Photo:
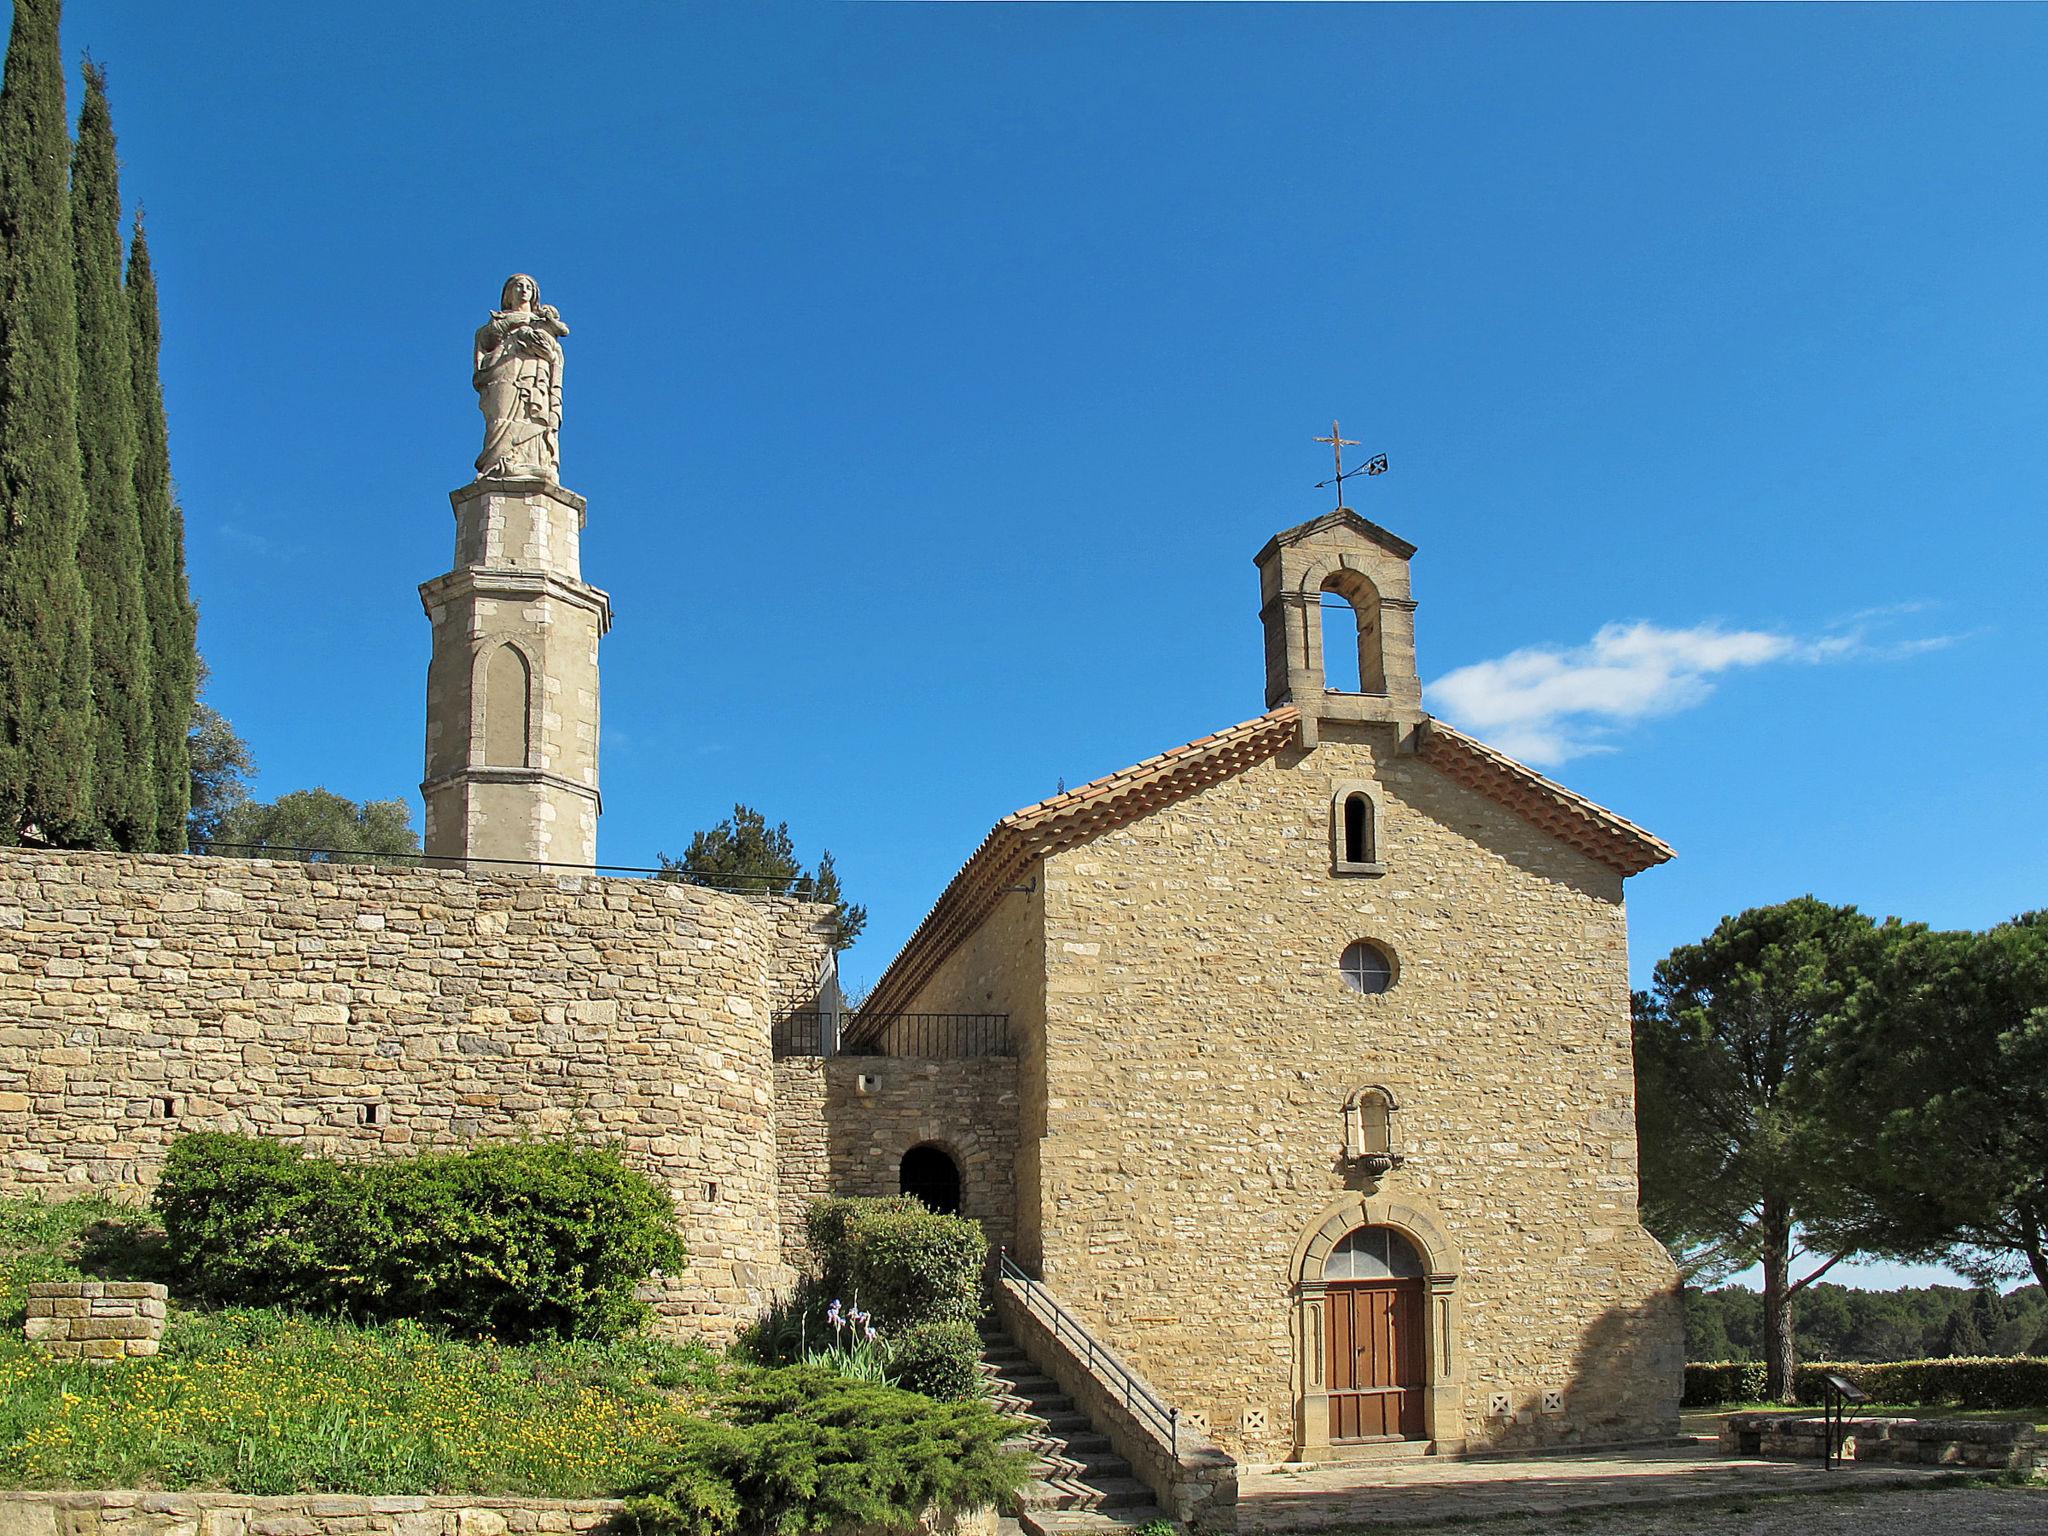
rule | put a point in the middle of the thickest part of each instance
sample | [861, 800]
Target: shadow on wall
[1628, 1374]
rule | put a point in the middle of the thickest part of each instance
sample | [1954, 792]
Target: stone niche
[98, 1321]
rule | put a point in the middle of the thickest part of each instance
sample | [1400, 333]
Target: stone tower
[511, 771]
[1359, 562]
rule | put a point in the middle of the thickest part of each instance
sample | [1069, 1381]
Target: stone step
[1024, 1384]
[1106, 1493]
[1087, 1522]
[1085, 1467]
[1385, 1450]
[1032, 1406]
[1080, 1442]
[1062, 1423]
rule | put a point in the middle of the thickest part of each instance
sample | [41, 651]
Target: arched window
[1366, 968]
[1373, 1253]
[1340, 645]
[1354, 653]
[508, 698]
[1357, 829]
[930, 1174]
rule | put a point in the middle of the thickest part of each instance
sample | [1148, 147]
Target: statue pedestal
[512, 690]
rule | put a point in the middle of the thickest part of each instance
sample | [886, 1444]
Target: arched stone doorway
[929, 1174]
[1375, 1329]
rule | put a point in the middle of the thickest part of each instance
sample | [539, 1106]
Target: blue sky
[936, 372]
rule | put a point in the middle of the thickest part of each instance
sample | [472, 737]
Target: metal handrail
[941, 1036]
[1137, 1396]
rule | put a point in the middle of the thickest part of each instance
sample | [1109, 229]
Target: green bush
[1732, 1381]
[941, 1360]
[901, 1261]
[520, 1240]
[1994, 1382]
[803, 1450]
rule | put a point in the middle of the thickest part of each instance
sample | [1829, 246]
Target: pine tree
[46, 727]
[173, 625]
[110, 556]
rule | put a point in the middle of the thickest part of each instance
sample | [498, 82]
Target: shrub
[802, 1450]
[941, 1360]
[1733, 1381]
[906, 1264]
[1994, 1382]
[518, 1240]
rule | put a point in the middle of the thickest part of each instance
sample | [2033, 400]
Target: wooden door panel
[1374, 1336]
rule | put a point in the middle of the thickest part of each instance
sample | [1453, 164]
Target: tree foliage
[1736, 1156]
[316, 825]
[46, 728]
[221, 769]
[744, 853]
[1938, 1086]
[1839, 1322]
[125, 791]
[175, 672]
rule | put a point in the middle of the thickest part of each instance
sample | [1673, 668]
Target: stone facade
[843, 1124]
[360, 1011]
[99, 1321]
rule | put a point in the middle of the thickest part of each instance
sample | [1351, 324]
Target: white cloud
[1549, 704]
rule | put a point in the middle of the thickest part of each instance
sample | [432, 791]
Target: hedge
[802, 1449]
[516, 1241]
[1995, 1382]
[941, 1360]
[901, 1261]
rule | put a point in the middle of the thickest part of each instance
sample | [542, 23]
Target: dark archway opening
[933, 1177]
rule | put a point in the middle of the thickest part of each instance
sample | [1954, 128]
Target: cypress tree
[46, 734]
[173, 625]
[124, 746]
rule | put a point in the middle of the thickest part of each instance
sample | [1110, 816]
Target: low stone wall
[1989, 1444]
[125, 1513]
[97, 1320]
[1197, 1486]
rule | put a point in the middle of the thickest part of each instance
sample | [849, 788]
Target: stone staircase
[1081, 1485]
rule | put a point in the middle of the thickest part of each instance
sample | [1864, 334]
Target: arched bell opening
[930, 1175]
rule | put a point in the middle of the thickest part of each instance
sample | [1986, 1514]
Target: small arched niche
[508, 709]
[930, 1175]
[1355, 830]
[1369, 1134]
[1354, 649]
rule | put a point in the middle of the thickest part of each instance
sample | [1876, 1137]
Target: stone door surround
[1443, 1369]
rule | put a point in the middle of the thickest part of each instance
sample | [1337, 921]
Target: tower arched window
[1354, 650]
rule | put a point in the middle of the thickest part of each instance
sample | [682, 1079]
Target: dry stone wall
[1200, 1046]
[361, 1011]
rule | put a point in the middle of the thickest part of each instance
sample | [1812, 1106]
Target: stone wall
[96, 1320]
[1000, 968]
[2012, 1445]
[360, 1011]
[842, 1126]
[1200, 1048]
[129, 1513]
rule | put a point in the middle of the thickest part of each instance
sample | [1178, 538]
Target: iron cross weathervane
[1376, 465]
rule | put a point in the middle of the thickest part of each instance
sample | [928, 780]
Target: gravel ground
[1940, 1510]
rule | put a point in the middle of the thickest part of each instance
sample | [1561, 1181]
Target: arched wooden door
[1372, 1326]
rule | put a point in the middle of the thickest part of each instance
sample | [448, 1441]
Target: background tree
[221, 770]
[1736, 1159]
[46, 729]
[744, 853]
[318, 819]
[173, 623]
[1938, 1085]
[126, 796]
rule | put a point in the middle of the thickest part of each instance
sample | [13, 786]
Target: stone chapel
[1295, 1061]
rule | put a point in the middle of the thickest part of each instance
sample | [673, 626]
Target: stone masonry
[360, 1011]
[99, 1321]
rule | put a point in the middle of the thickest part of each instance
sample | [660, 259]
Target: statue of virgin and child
[518, 380]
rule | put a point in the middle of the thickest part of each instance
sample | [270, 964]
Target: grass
[270, 1402]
